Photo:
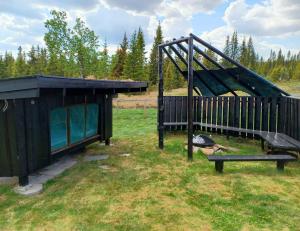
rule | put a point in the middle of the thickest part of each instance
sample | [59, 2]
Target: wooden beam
[174, 42]
[190, 99]
[178, 68]
[186, 64]
[224, 69]
[233, 61]
[160, 100]
[206, 69]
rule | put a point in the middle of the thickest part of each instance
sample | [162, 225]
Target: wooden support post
[23, 180]
[160, 100]
[262, 144]
[107, 141]
[219, 165]
[190, 99]
[280, 165]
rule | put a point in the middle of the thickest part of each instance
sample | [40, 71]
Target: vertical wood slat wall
[258, 113]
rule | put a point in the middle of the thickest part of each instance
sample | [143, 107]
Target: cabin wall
[25, 144]
[8, 145]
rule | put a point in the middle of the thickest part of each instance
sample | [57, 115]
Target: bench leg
[280, 165]
[262, 142]
[219, 166]
[23, 180]
[227, 134]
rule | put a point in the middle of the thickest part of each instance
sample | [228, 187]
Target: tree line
[76, 52]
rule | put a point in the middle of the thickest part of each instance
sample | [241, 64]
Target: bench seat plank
[251, 157]
[276, 140]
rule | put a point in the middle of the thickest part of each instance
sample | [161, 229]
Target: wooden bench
[280, 159]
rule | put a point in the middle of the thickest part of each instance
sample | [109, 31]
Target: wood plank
[231, 114]
[250, 116]
[195, 116]
[265, 114]
[220, 112]
[298, 118]
[184, 110]
[237, 112]
[225, 112]
[200, 111]
[209, 112]
[251, 157]
[281, 127]
[244, 114]
[273, 115]
[204, 115]
[214, 112]
[21, 138]
[257, 115]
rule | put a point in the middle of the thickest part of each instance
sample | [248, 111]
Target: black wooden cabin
[42, 117]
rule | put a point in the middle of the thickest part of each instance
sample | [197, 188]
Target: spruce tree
[226, 51]
[2, 67]
[140, 73]
[296, 74]
[21, 66]
[121, 55]
[103, 66]
[9, 65]
[153, 63]
[206, 62]
[130, 63]
[244, 54]
[234, 46]
[251, 54]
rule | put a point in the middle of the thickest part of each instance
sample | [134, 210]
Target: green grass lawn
[159, 190]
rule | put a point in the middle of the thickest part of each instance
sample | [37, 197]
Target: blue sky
[273, 24]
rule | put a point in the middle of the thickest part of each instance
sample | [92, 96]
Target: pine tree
[296, 74]
[21, 66]
[251, 54]
[42, 60]
[121, 55]
[234, 46]
[169, 76]
[206, 62]
[130, 63]
[9, 65]
[153, 63]
[2, 67]
[103, 67]
[226, 51]
[140, 56]
[32, 61]
[244, 54]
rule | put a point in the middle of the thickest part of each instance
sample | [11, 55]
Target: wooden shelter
[268, 112]
[42, 117]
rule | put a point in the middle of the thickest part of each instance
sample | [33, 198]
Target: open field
[149, 99]
[159, 190]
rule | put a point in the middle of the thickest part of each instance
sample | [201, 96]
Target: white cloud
[134, 6]
[270, 18]
[176, 27]
[176, 16]
[187, 8]
[265, 22]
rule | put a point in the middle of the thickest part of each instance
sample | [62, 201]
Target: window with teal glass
[58, 128]
[77, 123]
[92, 113]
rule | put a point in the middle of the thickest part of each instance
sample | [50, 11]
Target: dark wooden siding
[259, 113]
[25, 130]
